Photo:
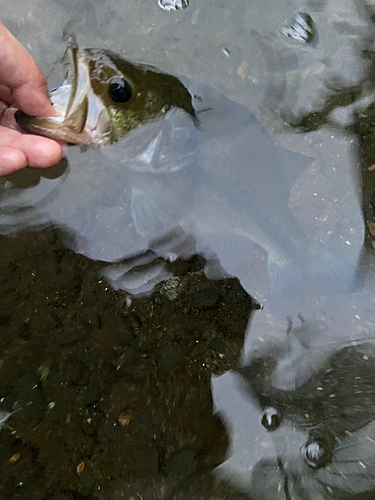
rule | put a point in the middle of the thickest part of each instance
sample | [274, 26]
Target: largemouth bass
[104, 97]
[174, 154]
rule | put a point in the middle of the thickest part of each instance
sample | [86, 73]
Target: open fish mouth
[82, 118]
[104, 97]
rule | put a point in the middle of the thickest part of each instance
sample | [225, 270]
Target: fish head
[105, 96]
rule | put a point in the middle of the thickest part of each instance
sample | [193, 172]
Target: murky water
[198, 322]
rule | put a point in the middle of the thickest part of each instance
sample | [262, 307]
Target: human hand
[23, 86]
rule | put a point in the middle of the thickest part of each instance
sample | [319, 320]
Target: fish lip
[54, 126]
[40, 125]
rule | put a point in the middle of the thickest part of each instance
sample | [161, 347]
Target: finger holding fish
[18, 150]
[22, 85]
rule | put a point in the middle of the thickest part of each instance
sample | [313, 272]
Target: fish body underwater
[172, 153]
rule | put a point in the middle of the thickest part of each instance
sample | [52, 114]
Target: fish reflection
[190, 159]
[357, 124]
[318, 404]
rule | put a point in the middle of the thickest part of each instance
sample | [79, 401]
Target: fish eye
[271, 419]
[119, 90]
[317, 454]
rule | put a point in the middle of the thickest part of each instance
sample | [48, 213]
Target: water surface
[201, 328]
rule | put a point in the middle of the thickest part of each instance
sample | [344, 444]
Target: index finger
[21, 74]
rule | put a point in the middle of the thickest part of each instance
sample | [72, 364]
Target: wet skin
[22, 85]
